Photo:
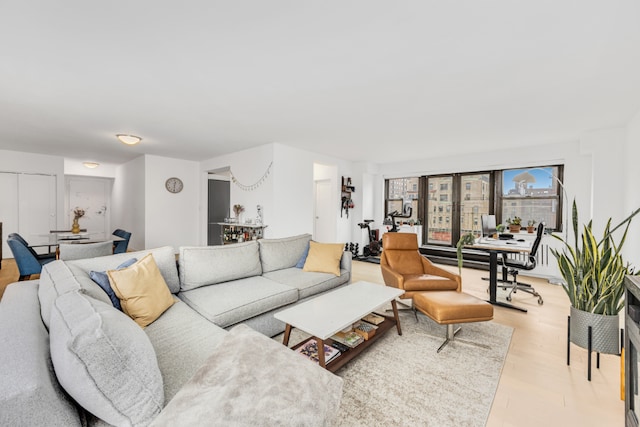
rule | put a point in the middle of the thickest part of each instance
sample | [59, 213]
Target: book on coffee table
[310, 350]
[348, 338]
[373, 318]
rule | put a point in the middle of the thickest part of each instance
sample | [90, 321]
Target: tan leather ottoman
[450, 307]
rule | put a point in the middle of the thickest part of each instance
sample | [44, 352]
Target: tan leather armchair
[403, 267]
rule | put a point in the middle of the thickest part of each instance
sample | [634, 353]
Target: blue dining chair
[121, 245]
[28, 261]
[48, 255]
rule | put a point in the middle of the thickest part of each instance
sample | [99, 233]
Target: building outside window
[532, 194]
[401, 192]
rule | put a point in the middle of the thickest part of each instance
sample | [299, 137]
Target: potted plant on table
[593, 272]
[531, 226]
[514, 224]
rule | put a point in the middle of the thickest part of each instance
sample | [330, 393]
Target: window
[532, 194]
[401, 193]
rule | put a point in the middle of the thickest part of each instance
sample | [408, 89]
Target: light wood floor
[536, 388]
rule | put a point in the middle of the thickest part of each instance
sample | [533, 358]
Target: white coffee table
[329, 313]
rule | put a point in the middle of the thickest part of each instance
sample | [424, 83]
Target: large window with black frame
[452, 204]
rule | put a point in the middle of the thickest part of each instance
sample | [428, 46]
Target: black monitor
[488, 225]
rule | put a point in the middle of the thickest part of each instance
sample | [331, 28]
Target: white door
[323, 224]
[36, 206]
[93, 195]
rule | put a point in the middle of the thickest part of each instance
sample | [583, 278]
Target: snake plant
[593, 271]
[465, 239]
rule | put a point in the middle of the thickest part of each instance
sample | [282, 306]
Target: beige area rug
[402, 381]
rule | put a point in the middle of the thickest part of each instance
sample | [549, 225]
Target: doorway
[323, 228]
[218, 202]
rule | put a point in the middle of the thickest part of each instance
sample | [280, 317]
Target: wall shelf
[345, 200]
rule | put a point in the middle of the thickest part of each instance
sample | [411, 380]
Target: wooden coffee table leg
[321, 352]
[395, 315]
[287, 334]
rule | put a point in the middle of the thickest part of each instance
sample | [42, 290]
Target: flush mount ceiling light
[128, 139]
[91, 165]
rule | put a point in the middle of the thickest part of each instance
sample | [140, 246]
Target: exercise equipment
[373, 248]
[407, 210]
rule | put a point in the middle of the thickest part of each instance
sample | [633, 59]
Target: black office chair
[513, 267]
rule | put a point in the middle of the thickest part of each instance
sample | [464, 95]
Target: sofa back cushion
[57, 279]
[165, 258]
[105, 361]
[277, 254]
[208, 265]
[30, 394]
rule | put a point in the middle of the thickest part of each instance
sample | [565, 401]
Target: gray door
[219, 197]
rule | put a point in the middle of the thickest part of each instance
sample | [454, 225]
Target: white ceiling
[366, 80]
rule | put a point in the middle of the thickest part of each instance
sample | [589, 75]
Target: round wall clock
[174, 185]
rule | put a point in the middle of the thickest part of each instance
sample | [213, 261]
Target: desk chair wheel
[540, 302]
[509, 298]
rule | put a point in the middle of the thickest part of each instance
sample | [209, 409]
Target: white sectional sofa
[71, 358]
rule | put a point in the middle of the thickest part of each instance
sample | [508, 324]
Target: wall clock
[174, 185]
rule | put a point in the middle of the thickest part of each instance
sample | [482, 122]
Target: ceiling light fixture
[128, 139]
[91, 165]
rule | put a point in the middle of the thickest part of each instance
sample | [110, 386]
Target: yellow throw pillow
[142, 291]
[324, 257]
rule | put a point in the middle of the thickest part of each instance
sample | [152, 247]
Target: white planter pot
[605, 332]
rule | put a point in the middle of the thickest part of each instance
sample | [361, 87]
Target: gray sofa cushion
[105, 361]
[228, 303]
[307, 282]
[276, 254]
[70, 251]
[269, 385]
[208, 265]
[29, 391]
[165, 258]
[182, 340]
[57, 279]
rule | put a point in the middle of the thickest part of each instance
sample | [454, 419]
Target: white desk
[495, 247]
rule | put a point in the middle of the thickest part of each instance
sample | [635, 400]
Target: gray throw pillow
[102, 279]
[105, 361]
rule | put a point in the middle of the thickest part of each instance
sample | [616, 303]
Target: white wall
[294, 191]
[607, 178]
[128, 201]
[631, 189]
[326, 173]
[171, 219]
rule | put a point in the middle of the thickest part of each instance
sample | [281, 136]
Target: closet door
[8, 209]
[36, 206]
